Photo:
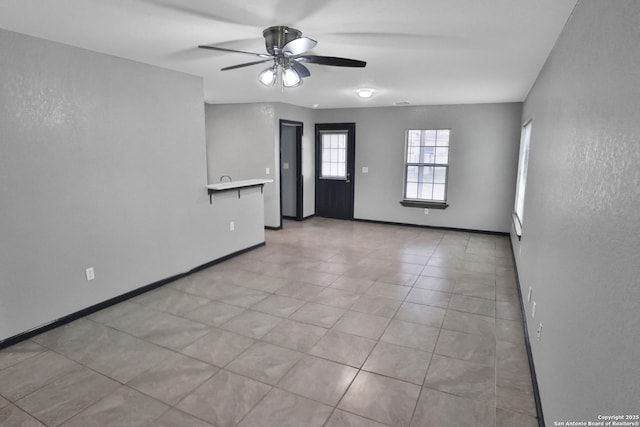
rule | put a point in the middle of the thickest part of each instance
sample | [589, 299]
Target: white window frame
[521, 182]
[418, 202]
[339, 151]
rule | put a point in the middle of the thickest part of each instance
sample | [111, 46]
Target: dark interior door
[291, 196]
[335, 165]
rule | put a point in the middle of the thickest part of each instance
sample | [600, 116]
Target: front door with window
[335, 164]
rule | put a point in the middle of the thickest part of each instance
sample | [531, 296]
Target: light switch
[365, 169]
[268, 171]
[285, 166]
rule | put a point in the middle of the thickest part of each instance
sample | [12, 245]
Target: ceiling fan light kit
[287, 48]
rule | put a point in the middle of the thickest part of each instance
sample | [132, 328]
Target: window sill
[420, 204]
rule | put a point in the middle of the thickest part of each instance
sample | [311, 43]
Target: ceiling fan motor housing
[276, 37]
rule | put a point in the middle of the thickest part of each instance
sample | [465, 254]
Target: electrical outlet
[365, 169]
[426, 211]
[90, 273]
[539, 332]
[529, 294]
[232, 226]
[533, 311]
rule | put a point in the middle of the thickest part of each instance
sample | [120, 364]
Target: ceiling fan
[287, 49]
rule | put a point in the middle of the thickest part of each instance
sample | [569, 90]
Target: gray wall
[243, 140]
[580, 250]
[102, 163]
[483, 158]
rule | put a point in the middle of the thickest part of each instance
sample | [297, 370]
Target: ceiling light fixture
[269, 76]
[289, 77]
[365, 93]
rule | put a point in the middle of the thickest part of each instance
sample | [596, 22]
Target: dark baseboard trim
[115, 300]
[293, 218]
[527, 343]
[268, 227]
[433, 227]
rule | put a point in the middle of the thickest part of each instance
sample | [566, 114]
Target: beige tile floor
[332, 323]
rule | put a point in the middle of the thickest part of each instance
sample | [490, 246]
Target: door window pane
[334, 155]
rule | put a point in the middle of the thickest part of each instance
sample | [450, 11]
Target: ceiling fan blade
[300, 69]
[332, 60]
[247, 64]
[299, 46]
[224, 49]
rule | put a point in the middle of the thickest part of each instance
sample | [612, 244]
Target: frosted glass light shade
[268, 77]
[291, 78]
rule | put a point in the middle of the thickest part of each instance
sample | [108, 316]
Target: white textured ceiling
[426, 52]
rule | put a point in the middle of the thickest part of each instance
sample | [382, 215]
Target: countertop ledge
[221, 186]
